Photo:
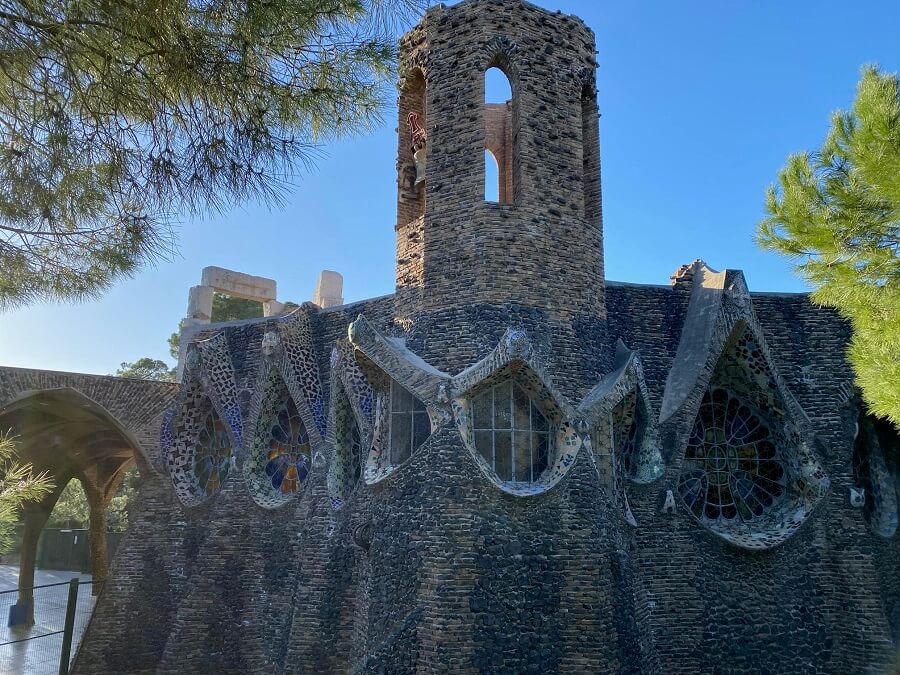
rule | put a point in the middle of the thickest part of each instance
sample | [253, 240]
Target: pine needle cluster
[18, 486]
[117, 117]
[836, 212]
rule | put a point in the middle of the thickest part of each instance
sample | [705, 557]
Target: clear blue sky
[701, 102]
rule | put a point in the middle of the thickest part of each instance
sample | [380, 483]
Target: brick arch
[92, 428]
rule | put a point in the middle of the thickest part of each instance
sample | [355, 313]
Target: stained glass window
[626, 422]
[289, 450]
[348, 465]
[410, 425]
[212, 457]
[733, 468]
[355, 454]
[511, 433]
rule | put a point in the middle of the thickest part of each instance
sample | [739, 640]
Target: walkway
[37, 653]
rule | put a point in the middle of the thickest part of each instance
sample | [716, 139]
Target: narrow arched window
[590, 156]
[512, 434]
[212, 454]
[348, 450]
[498, 137]
[412, 148]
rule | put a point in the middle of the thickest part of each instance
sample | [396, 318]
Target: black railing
[42, 626]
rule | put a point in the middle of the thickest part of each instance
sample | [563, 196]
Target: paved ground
[35, 650]
[9, 577]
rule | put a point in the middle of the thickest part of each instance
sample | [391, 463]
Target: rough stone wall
[435, 570]
[541, 250]
[812, 604]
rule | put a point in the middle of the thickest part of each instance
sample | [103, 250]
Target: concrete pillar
[200, 303]
[329, 289]
[35, 519]
[99, 559]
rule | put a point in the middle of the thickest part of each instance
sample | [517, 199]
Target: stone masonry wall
[541, 250]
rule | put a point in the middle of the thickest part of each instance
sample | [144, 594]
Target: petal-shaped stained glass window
[289, 450]
[212, 457]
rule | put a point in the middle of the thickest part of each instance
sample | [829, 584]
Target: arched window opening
[749, 472]
[348, 441]
[512, 434]
[410, 425]
[590, 156]
[498, 137]
[876, 441]
[626, 424]
[491, 178]
[412, 151]
[212, 454]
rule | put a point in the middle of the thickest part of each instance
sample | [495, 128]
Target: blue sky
[701, 102]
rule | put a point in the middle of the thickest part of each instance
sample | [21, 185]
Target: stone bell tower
[541, 244]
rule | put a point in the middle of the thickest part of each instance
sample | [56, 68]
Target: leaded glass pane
[410, 425]
[212, 457]
[522, 458]
[484, 443]
[511, 433]
[502, 401]
[541, 449]
[421, 428]
[521, 409]
[733, 469]
[288, 459]
[503, 462]
[401, 400]
[483, 410]
[401, 433]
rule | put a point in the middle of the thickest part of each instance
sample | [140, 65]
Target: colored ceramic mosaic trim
[205, 424]
[351, 422]
[280, 454]
[296, 357]
[217, 372]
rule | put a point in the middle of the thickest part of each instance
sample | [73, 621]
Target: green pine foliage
[147, 369]
[18, 486]
[72, 508]
[836, 212]
[118, 118]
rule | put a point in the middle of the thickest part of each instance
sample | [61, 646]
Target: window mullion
[493, 430]
[530, 440]
[512, 429]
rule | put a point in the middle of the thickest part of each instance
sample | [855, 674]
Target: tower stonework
[542, 245]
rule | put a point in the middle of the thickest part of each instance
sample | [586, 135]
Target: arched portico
[71, 432]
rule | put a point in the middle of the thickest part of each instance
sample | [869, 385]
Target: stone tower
[541, 245]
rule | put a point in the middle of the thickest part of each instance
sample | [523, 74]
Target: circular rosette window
[281, 456]
[744, 476]
[212, 455]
